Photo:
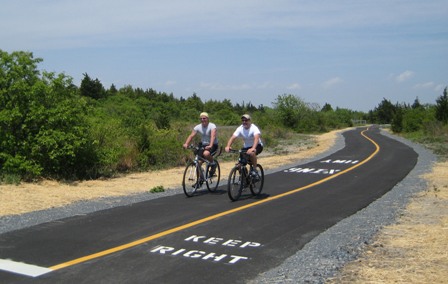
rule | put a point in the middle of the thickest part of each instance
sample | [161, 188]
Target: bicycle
[240, 179]
[195, 174]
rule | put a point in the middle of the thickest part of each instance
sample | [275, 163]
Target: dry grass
[28, 197]
[415, 249]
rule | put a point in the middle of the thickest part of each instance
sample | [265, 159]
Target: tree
[194, 102]
[416, 104]
[326, 107]
[42, 126]
[92, 88]
[112, 91]
[385, 112]
[442, 107]
[289, 108]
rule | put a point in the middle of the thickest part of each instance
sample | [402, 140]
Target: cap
[203, 114]
[246, 116]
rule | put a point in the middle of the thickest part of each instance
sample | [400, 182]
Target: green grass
[158, 188]
[10, 179]
[434, 138]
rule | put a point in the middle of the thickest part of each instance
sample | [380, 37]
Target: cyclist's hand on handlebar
[228, 149]
[185, 146]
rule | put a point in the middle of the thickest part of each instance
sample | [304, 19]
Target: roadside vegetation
[52, 128]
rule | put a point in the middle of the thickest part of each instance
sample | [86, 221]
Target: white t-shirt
[248, 135]
[206, 133]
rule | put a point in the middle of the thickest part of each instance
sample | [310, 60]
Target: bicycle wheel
[212, 182]
[191, 180]
[257, 186]
[235, 184]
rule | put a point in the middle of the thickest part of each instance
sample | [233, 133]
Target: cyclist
[209, 139]
[252, 140]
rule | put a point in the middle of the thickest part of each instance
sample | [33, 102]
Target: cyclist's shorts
[259, 148]
[212, 150]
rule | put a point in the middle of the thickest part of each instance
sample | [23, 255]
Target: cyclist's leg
[207, 155]
[211, 153]
[253, 156]
[259, 149]
[214, 149]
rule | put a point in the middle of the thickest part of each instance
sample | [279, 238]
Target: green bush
[51, 128]
[42, 121]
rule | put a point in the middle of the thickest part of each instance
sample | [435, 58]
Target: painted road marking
[312, 171]
[23, 268]
[203, 255]
[212, 217]
[199, 254]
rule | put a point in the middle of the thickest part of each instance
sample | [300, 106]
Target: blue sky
[349, 53]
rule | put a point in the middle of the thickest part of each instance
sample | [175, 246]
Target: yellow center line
[209, 218]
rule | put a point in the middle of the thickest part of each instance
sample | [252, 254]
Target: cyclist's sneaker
[198, 185]
[255, 176]
[212, 169]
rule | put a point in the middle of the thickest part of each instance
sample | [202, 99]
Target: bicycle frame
[195, 172]
[199, 160]
[240, 177]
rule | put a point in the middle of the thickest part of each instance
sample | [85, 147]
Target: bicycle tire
[213, 182]
[257, 186]
[191, 180]
[235, 183]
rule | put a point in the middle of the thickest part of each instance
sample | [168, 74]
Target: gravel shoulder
[323, 257]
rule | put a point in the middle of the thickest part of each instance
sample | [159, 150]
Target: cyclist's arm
[230, 142]
[212, 139]
[189, 138]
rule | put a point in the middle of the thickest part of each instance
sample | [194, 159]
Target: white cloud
[406, 75]
[214, 86]
[170, 83]
[294, 86]
[439, 88]
[332, 82]
[427, 85]
[430, 85]
[223, 87]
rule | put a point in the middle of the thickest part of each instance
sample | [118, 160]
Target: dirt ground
[28, 197]
[414, 250]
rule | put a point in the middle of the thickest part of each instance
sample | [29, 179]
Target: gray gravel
[327, 253]
[319, 259]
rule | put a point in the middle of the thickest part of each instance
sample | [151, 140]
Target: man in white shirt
[252, 139]
[209, 139]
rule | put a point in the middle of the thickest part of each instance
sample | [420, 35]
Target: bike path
[201, 239]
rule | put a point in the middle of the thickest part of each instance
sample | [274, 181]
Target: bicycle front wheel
[235, 184]
[213, 179]
[257, 186]
[191, 179]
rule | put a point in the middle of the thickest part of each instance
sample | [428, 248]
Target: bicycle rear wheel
[191, 179]
[257, 186]
[235, 184]
[212, 182]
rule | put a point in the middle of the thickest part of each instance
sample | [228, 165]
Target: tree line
[51, 128]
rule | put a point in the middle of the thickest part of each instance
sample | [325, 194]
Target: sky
[348, 53]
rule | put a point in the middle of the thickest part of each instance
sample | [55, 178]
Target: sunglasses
[244, 120]
[203, 118]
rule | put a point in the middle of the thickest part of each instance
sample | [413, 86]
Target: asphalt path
[208, 238]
